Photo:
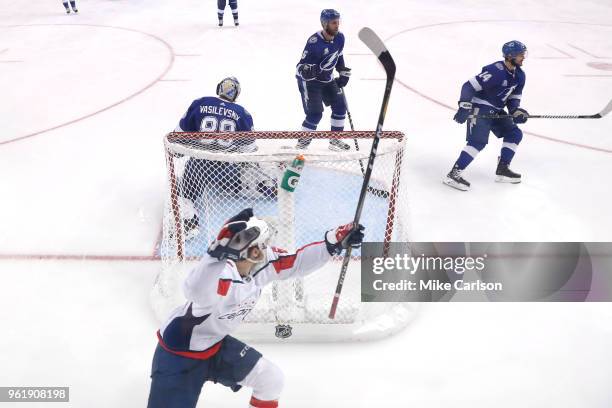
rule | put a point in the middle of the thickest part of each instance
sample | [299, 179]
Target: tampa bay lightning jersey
[218, 298]
[212, 114]
[497, 86]
[326, 54]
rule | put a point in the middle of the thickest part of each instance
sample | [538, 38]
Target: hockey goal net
[213, 176]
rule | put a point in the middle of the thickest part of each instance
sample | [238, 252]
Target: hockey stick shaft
[378, 48]
[376, 191]
[607, 109]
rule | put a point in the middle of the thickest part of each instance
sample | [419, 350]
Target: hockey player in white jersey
[195, 345]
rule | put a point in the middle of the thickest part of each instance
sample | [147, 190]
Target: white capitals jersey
[218, 298]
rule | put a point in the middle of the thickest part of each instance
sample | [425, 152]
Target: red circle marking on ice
[169, 64]
[604, 66]
[437, 102]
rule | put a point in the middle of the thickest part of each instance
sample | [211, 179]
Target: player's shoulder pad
[339, 36]
[499, 65]
[520, 73]
[313, 38]
[228, 277]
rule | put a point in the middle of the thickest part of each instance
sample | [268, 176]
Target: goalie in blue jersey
[315, 76]
[220, 114]
[498, 86]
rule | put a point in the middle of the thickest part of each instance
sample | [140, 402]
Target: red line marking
[586, 52]
[127, 98]
[442, 104]
[157, 246]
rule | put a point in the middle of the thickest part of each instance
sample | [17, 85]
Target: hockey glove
[345, 75]
[309, 71]
[465, 108]
[520, 115]
[343, 237]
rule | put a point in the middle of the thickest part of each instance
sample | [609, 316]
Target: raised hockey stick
[376, 191]
[599, 115]
[376, 45]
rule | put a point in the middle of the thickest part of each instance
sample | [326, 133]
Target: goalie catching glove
[343, 237]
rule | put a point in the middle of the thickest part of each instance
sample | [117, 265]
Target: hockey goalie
[194, 343]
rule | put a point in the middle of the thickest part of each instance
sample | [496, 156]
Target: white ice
[87, 98]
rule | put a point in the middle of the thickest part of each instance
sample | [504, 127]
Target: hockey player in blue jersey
[72, 4]
[499, 85]
[220, 114]
[316, 82]
[221, 10]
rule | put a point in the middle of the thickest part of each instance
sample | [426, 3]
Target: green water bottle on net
[292, 174]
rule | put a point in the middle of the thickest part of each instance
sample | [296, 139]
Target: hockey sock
[337, 122]
[469, 153]
[312, 121]
[66, 5]
[234, 6]
[220, 8]
[507, 152]
[256, 403]
[73, 4]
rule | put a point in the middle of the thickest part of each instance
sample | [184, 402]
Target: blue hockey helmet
[328, 15]
[513, 48]
[228, 89]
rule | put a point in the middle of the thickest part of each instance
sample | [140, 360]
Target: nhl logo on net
[283, 331]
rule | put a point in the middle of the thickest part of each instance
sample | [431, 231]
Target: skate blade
[452, 183]
[504, 179]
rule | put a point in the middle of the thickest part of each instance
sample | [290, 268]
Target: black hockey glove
[343, 237]
[519, 115]
[309, 71]
[465, 108]
[345, 75]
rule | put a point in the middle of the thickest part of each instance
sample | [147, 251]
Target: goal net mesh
[213, 176]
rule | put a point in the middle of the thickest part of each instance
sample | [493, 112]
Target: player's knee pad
[515, 136]
[266, 379]
[314, 117]
[221, 4]
[233, 4]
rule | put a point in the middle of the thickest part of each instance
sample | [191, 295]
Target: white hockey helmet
[228, 89]
[238, 235]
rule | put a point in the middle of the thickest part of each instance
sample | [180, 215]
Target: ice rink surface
[87, 98]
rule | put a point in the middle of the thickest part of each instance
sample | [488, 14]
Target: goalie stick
[375, 44]
[604, 112]
[376, 191]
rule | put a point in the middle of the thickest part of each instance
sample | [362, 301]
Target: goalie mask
[228, 89]
[240, 234]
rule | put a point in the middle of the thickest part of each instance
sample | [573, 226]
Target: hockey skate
[454, 179]
[303, 143]
[236, 22]
[220, 22]
[505, 175]
[338, 145]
